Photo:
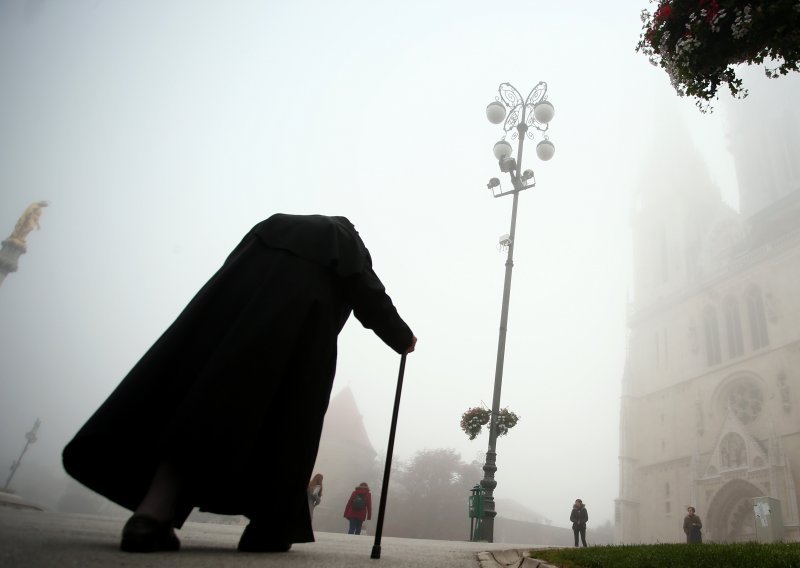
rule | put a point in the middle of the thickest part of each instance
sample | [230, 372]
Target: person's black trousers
[582, 532]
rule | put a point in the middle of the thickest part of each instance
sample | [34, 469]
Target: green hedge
[741, 555]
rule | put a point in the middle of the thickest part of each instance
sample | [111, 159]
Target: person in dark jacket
[241, 379]
[579, 517]
[692, 526]
[358, 508]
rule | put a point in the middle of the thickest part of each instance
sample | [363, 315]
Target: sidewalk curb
[16, 502]
[510, 558]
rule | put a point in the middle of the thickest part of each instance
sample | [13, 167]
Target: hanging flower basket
[474, 419]
[697, 42]
[505, 421]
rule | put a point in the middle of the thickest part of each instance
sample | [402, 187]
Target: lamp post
[31, 437]
[517, 115]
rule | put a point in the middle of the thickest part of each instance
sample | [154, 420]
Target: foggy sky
[161, 131]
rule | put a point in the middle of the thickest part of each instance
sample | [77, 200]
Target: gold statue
[27, 222]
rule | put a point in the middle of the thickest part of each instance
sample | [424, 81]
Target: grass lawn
[739, 555]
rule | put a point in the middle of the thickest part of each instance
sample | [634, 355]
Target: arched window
[732, 452]
[757, 320]
[711, 328]
[733, 327]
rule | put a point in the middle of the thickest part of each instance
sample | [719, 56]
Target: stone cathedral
[710, 408]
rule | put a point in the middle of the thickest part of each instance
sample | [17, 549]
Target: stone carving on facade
[732, 451]
[735, 449]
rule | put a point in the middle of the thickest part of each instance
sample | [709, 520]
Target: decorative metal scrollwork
[509, 95]
[512, 119]
[513, 100]
[537, 94]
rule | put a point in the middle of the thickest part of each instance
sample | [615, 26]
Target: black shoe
[145, 534]
[257, 538]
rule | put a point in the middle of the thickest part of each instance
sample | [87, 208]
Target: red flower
[650, 37]
[663, 13]
[712, 10]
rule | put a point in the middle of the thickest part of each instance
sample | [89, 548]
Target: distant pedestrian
[579, 517]
[691, 526]
[359, 508]
[314, 493]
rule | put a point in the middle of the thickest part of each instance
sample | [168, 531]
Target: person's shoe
[257, 538]
[145, 534]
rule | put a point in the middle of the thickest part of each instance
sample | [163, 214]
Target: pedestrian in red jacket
[359, 508]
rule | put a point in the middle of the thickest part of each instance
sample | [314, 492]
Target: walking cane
[376, 547]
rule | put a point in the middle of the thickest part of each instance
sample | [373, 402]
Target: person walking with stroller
[359, 508]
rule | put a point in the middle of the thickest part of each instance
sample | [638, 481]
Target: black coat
[235, 391]
[579, 516]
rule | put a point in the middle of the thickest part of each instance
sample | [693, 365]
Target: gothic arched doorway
[730, 514]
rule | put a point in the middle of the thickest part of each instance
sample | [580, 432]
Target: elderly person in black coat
[225, 410]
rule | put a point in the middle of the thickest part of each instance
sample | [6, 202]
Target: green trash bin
[475, 513]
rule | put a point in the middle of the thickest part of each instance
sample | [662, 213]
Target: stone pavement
[43, 539]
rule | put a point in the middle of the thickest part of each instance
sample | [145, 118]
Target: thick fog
[160, 132]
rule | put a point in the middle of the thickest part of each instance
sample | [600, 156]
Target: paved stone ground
[34, 539]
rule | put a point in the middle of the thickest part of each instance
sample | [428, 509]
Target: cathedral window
[745, 400]
[733, 327]
[732, 452]
[711, 328]
[757, 320]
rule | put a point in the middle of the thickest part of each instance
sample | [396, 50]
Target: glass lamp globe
[544, 112]
[496, 112]
[502, 149]
[545, 150]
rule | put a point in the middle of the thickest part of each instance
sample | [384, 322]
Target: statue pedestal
[9, 255]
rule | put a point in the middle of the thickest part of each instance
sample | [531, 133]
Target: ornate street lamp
[517, 115]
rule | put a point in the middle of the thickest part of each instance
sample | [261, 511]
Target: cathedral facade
[710, 409]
